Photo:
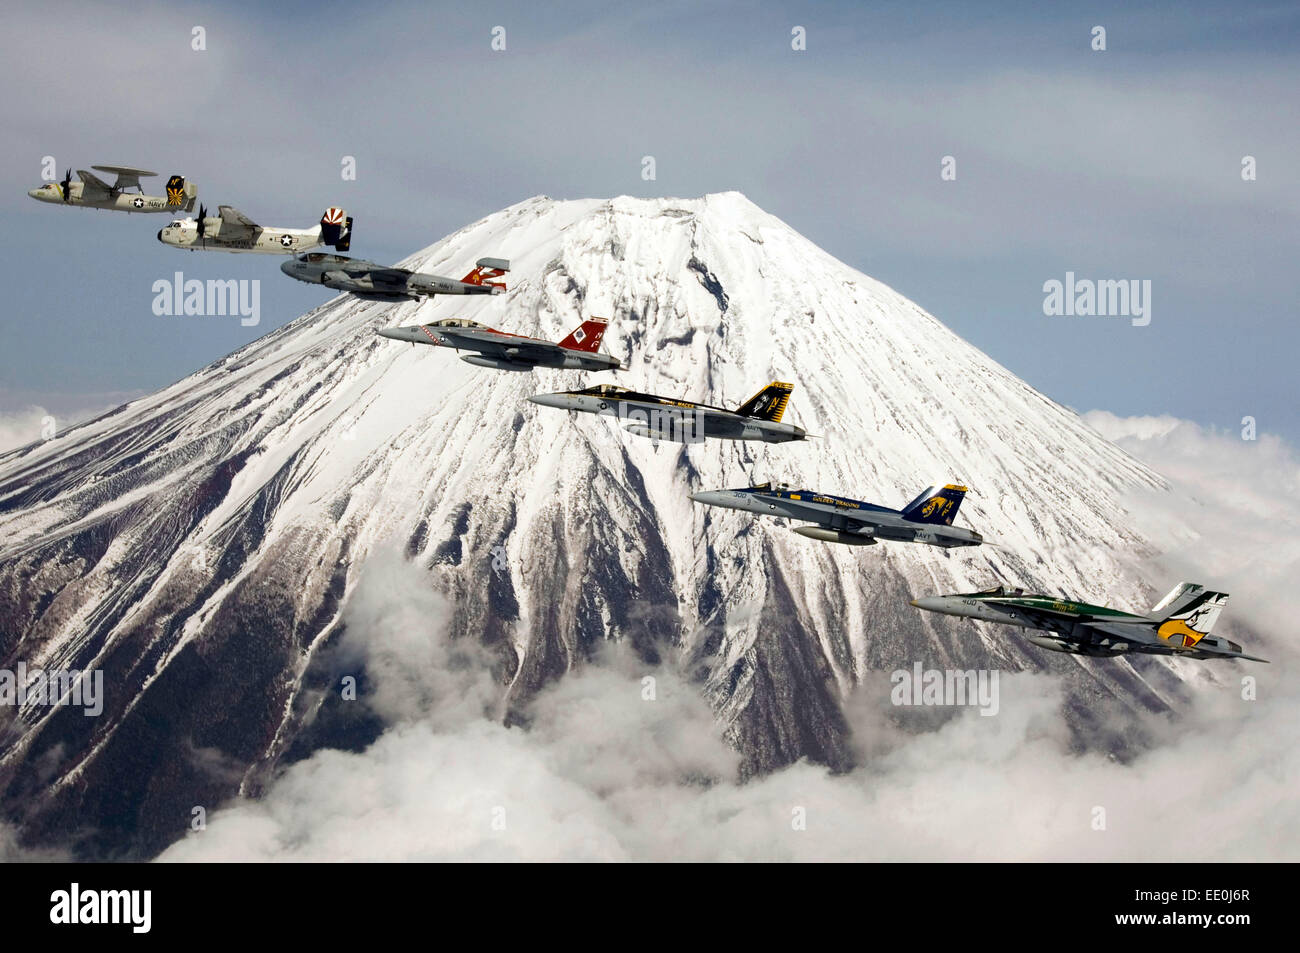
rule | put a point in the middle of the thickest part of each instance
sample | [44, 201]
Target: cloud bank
[603, 772]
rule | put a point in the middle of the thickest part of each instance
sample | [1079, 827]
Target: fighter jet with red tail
[503, 351]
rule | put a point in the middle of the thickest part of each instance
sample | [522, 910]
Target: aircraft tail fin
[769, 403]
[1188, 613]
[586, 336]
[485, 269]
[937, 504]
[181, 193]
[336, 229]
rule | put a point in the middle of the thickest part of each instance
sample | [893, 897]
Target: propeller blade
[202, 227]
[67, 186]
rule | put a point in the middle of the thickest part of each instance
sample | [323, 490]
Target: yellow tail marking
[1186, 635]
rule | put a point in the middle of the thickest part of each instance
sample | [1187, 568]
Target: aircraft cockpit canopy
[456, 323]
[318, 256]
[769, 486]
[1001, 591]
[605, 390]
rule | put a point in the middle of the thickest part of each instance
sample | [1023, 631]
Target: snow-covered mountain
[197, 545]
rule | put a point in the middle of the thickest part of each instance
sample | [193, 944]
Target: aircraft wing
[389, 277]
[1149, 642]
[93, 184]
[497, 345]
[235, 220]
[847, 521]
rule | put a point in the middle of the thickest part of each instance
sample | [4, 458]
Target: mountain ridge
[198, 544]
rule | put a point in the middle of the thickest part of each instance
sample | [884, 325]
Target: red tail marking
[586, 336]
[480, 276]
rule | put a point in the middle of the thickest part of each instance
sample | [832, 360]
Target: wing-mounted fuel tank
[479, 360]
[836, 536]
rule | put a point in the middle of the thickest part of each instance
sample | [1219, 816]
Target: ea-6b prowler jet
[1179, 624]
[684, 421]
[513, 352]
[94, 192]
[232, 230]
[374, 282]
[927, 519]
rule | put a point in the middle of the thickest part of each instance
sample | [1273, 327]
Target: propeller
[202, 224]
[67, 186]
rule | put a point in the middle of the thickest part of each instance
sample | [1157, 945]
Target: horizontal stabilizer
[485, 269]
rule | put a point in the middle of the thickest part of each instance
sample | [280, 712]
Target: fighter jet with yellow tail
[1179, 624]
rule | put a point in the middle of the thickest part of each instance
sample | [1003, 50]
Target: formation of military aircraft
[126, 194]
[684, 421]
[232, 231]
[1179, 624]
[837, 519]
[579, 351]
[372, 282]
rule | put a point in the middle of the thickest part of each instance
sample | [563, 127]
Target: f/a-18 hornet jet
[94, 192]
[927, 519]
[232, 230]
[684, 421]
[374, 282]
[513, 352]
[1179, 624]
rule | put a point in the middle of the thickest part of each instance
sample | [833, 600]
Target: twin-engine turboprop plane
[94, 192]
[667, 418]
[927, 519]
[231, 230]
[513, 352]
[1179, 624]
[374, 282]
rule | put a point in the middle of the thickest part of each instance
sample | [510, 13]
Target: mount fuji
[199, 545]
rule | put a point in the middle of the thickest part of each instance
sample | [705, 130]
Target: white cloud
[1241, 498]
[600, 773]
[21, 427]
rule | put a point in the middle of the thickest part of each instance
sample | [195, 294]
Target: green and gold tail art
[769, 403]
[1188, 614]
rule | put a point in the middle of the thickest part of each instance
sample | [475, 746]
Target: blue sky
[1117, 164]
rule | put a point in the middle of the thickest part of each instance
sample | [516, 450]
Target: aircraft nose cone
[287, 267]
[397, 334]
[34, 193]
[550, 400]
[709, 497]
[160, 231]
[931, 603]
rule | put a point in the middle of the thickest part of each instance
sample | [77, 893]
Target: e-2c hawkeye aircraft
[374, 282]
[94, 192]
[1179, 624]
[513, 352]
[231, 230]
[927, 519]
[684, 421]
